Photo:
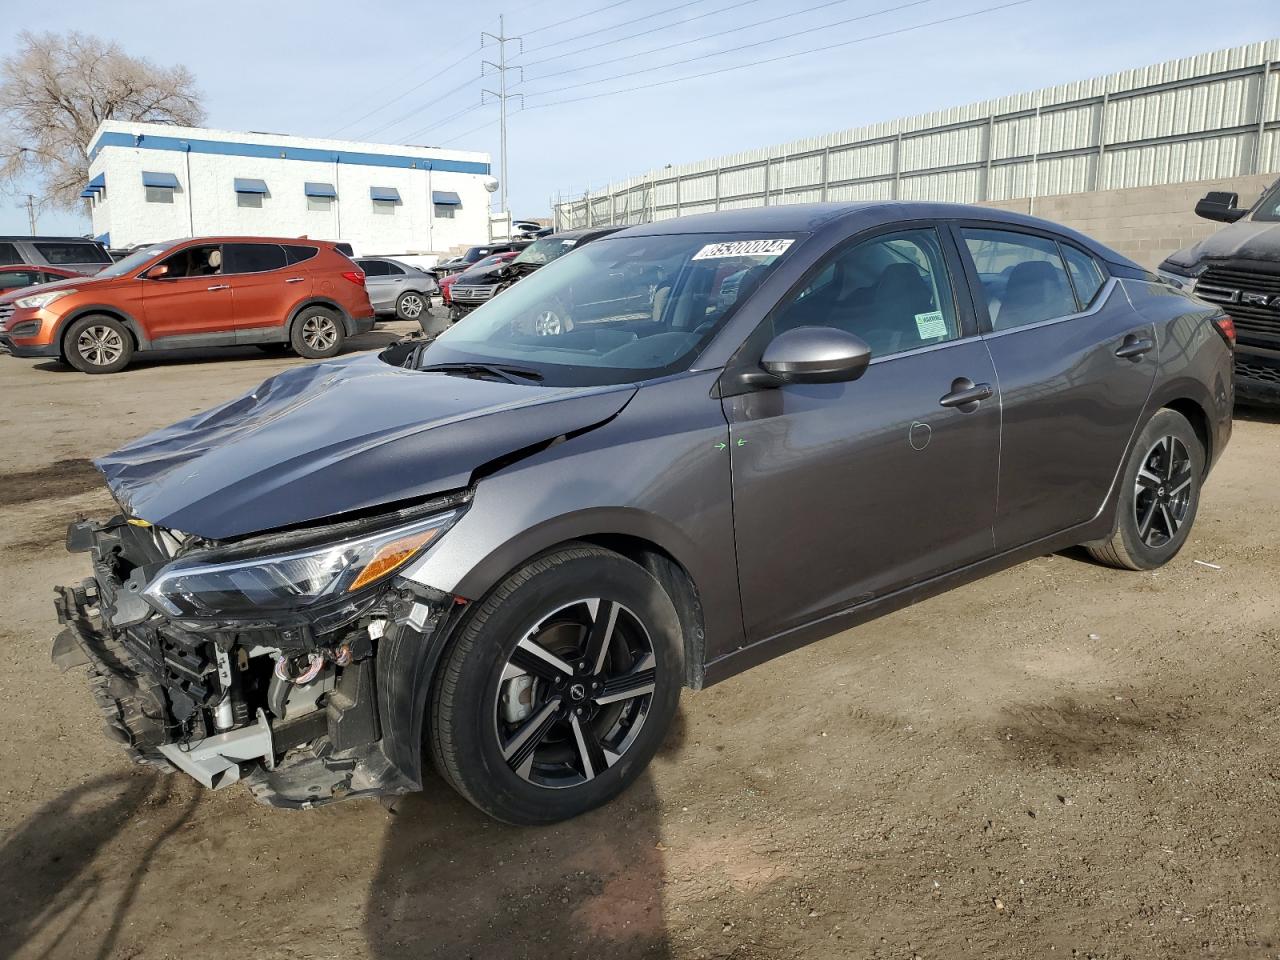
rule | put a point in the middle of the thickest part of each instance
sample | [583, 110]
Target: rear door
[1076, 364]
[379, 283]
[843, 492]
[263, 286]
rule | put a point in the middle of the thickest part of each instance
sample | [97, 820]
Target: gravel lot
[1061, 760]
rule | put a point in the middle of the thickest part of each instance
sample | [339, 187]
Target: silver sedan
[397, 288]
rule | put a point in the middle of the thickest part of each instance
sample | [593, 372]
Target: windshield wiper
[500, 370]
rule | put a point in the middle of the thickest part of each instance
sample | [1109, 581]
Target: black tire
[98, 344]
[1159, 497]
[405, 305]
[317, 333]
[538, 765]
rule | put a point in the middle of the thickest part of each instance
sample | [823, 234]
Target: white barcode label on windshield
[743, 248]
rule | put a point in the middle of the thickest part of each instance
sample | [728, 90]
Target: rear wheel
[410, 305]
[1159, 496]
[98, 344]
[317, 333]
[559, 688]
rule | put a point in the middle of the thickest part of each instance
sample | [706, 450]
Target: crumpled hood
[1242, 240]
[331, 438]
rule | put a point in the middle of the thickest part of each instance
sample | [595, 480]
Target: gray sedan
[397, 288]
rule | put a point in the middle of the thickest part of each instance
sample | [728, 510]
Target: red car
[20, 275]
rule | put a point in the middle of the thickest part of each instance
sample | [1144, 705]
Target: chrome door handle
[1133, 347]
[295, 279]
[966, 393]
[221, 286]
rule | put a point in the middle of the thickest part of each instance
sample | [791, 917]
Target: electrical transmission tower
[501, 68]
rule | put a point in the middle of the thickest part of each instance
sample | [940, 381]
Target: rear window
[252, 257]
[373, 268]
[58, 254]
[296, 252]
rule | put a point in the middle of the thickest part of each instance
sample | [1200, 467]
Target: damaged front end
[293, 662]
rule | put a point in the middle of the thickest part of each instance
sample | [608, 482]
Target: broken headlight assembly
[227, 585]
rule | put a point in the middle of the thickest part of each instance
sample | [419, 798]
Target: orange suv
[211, 291]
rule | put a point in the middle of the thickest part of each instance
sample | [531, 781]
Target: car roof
[239, 239]
[811, 217]
[27, 238]
[581, 232]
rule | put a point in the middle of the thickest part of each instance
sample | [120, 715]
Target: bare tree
[56, 89]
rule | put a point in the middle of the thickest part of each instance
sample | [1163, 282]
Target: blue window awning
[249, 185]
[446, 198]
[150, 179]
[385, 193]
[319, 189]
[98, 183]
[88, 194]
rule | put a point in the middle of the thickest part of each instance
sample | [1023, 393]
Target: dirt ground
[1059, 761]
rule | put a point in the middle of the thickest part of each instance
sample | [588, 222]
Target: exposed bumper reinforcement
[215, 761]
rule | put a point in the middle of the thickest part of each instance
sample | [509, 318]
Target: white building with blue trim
[150, 182]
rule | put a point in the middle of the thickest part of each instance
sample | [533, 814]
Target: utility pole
[31, 212]
[502, 96]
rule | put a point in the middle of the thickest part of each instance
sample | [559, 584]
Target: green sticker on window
[931, 325]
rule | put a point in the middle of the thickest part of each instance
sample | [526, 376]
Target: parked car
[204, 292]
[509, 552]
[474, 284]
[474, 255]
[73, 253]
[15, 278]
[1238, 268]
[483, 282]
[447, 282]
[397, 288]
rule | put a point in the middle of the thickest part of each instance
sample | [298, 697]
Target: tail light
[355, 276]
[1227, 328]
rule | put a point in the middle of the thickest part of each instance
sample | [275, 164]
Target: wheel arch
[317, 301]
[1198, 417]
[140, 341]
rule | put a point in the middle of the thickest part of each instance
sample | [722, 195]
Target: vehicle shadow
[49, 868]
[453, 883]
[1256, 413]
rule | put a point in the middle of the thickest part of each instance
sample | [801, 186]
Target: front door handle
[966, 395]
[221, 286]
[295, 279]
[1134, 347]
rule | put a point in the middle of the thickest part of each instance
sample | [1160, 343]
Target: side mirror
[815, 355]
[158, 272]
[1221, 206]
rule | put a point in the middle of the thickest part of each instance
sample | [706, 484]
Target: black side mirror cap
[1221, 206]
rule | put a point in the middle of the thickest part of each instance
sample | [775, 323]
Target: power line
[624, 23]
[443, 122]
[485, 125]
[723, 33]
[589, 13]
[417, 86]
[632, 36]
[417, 110]
[745, 46]
[785, 56]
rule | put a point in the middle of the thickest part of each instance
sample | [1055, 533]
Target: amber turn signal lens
[390, 556]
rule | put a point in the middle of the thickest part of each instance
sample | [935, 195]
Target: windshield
[1268, 208]
[543, 251]
[622, 309]
[134, 260]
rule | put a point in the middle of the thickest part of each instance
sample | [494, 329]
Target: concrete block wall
[1146, 224]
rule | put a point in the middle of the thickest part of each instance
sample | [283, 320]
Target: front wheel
[1159, 496]
[559, 687]
[317, 333]
[98, 344]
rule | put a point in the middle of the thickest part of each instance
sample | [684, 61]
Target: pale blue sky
[315, 67]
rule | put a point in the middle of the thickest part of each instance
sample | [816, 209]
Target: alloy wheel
[319, 332]
[547, 324]
[1162, 491]
[100, 345]
[411, 306]
[574, 693]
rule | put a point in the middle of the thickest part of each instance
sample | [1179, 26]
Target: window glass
[386, 208]
[254, 257]
[444, 211]
[9, 254]
[19, 278]
[159, 194]
[56, 254]
[1022, 276]
[248, 200]
[892, 291]
[1085, 274]
[297, 253]
[393, 269]
[320, 204]
[372, 268]
[202, 261]
[1268, 207]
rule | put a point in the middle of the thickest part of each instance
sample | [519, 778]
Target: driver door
[844, 492]
[191, 298]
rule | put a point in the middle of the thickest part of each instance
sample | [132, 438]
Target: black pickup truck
[1239, 268]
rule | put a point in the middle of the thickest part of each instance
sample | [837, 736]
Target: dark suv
[72, 253]
[1238, 268]
[509, 548]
